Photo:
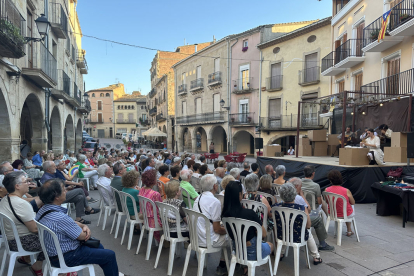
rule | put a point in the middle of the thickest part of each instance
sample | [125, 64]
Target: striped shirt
[65, 228]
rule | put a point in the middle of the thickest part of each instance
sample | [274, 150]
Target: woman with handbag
[75, 240]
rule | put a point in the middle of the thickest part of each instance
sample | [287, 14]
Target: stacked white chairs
[103, 205]
[118, 213]
[124, 198]
[186, 194]
[331, 199]
[192, 220]
[12, 254]
[288, 217]
[168, 211]
[239, 252]
[146, 203]
[47, 267]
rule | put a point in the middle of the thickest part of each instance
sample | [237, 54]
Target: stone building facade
[41, 82]
[126, 115]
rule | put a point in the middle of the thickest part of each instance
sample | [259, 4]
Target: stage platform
[357, 179]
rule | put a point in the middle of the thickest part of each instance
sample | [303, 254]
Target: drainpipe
[47, 97]
[229, 65]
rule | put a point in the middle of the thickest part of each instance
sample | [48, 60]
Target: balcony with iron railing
[63, 89]
[401, 23]
[85, 107]
[12, 30]
[201, 118]
[73, 55]
[274, 83]
[347, 55]
[289, 122]
[160, 118]
[143, 122]
[197, 84]
[96, 121]
[43, 68]
[152, 93]
[76, 93]
[182, 89]
[243, 119]
[214, 78]
[81, 62]
[58, 19]
[153, 111]
[309, 76]
[394, 85]
[243, 86]
[126, 121]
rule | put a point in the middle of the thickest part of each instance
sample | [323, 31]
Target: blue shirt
[147, 168]
[60, 175]
[37, 160]
[168, 161]
[65, 228]
[47, 176]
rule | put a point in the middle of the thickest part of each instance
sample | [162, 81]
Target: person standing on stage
[375, 154]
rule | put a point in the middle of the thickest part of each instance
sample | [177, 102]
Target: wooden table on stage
[353, 156]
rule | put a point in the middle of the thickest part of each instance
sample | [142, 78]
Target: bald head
[220, 172]
[6, 168]
[269, 169]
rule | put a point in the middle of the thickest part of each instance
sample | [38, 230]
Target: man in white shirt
[151, 164]
[105, 173]
[210, 206]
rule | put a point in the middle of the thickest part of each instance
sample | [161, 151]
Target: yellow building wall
[290, 27]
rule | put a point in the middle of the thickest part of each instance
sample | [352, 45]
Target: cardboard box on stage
[270, 151]
[320, 148]
[395, 154]
[304, 141]
[333, 139]
[305, 150]
[353, 156]
[317, 135]
[332, 149]
[399, 139]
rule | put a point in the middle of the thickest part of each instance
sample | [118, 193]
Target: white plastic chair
[166, 210]
[118, 213]
[192, 221]
[287, 235]
[331, 199]
[276, 187]
[238, 227]
[103, 205]
[13, 254]
[124, 197]
[266, 195]
[186, 194]
[47, 267]
[144, 204]
[312, 197]
[76, 179]
[242, 179]
[221, 198]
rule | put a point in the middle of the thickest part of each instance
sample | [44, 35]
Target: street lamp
[86, 96]
[222, 102]
[43, 26]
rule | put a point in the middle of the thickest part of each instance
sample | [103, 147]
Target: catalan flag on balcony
[384, 25]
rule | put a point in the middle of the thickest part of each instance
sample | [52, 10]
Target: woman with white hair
[105, 173]
[185, 183]
[86, 172]
[252, 185]
[280, 174]
[288, 194]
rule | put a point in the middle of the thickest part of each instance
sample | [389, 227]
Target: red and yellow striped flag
[384, 25]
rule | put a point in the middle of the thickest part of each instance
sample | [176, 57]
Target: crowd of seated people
[163, 176]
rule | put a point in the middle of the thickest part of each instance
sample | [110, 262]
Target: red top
[339, 190]
[91, 162]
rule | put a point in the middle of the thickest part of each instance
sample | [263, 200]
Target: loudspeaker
[410, 145]
[258, 142]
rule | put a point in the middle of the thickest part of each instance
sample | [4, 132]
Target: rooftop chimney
[195, 47]
[214, 39]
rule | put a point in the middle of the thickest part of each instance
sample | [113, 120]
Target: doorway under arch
[285, 142]
[5, 130]
[31, 123]
[201, 136]
[69, 134]
[78, 135]
[219, 138]
[186, 138]
[55, 134]
[243, 142]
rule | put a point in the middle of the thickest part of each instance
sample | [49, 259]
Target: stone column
[194, 144]
[10, 149]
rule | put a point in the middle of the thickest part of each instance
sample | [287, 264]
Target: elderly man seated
[235, 172]
[105, 173]
[70, 233]
[76, 196]
[185, 183]
[85, 171]
[316, 220]
[210, 206]
[220, 173]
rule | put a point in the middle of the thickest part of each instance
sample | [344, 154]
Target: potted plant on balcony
[11, 40]
[244, 49]
[232, 119]
[375, 34]
[404, 17]
[249, 119]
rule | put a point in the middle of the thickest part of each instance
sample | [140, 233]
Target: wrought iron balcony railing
[214, 78]
[309, 75]
[274, 83]
[12, 30]
[58, 19]
[243, 85]
[311, 120]
[160, 118]
[126, 121]
[350, 48]
[46, 61]
[201, 118]
[398, 84]
[197, 84]
[152, 93]
[243, 118]
[76, 93]
[182, 89]
[153, 111]
[66, 83]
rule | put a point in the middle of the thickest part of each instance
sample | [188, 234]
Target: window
[100, 118]
[198, 106]
[274, 113]
[93, 95]
[101, 95]
[216, 65]
[54, 48]
[358, 82]
[107, 95]
[132, 107]
[183, 78]
[244, 82]
[341, 86]
[198, 72]
[276, 76]
[142, 107]
[184, 108]
[144, 117]
[216, 102]
[245, 43]
[99, 105]
[393, 75]
[131, 118]
[119, 107]
[30, 44]
[311, 72]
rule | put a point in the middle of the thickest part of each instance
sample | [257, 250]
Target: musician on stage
[348, 134]
[365, 134]
[375, 154]
[386, 135]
